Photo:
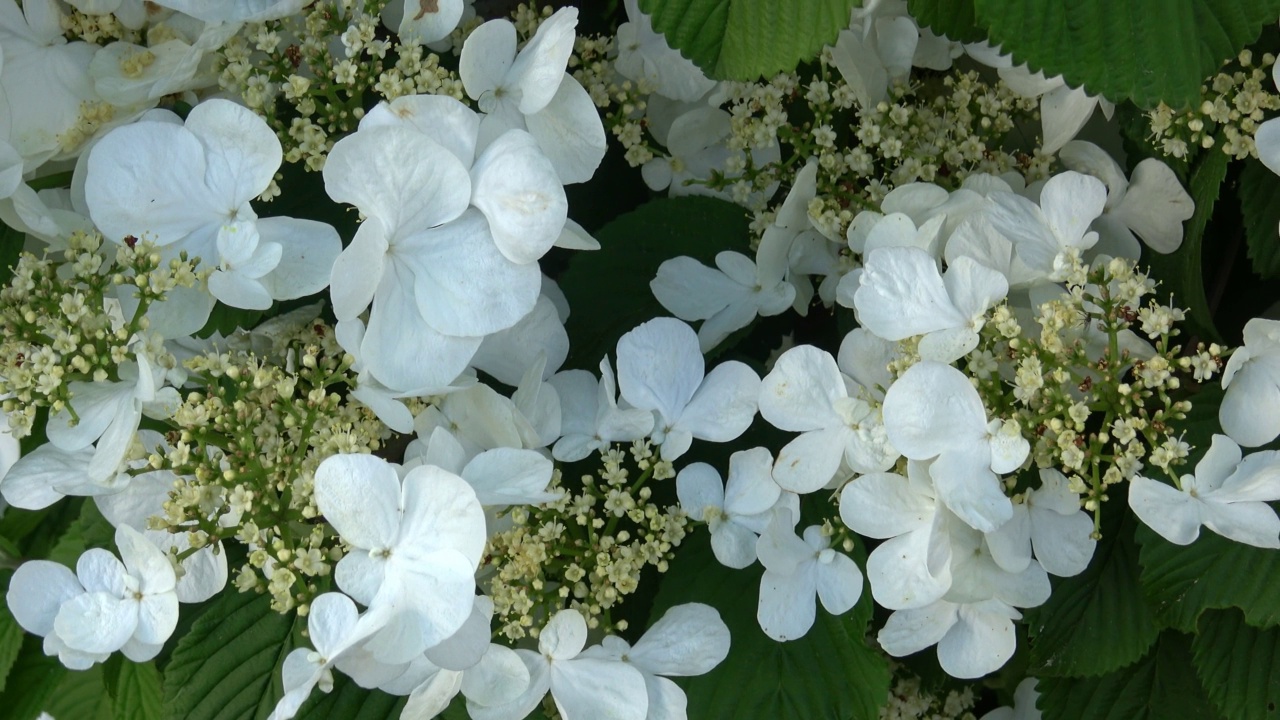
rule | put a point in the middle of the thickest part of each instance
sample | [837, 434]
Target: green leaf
[1161, 686]
[1147, 51]
[81, 695]
[1098, 621]
[608, 289]
[228, 666]
[348, 701]
[1180, 272]
[1212, 572]
[956, 19]
[138, 695]
[1260, 206]
[829, 673]
[10, 636]
[747, 39]
[34, 679]
[1239, 665]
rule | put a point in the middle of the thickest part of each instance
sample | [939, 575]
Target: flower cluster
[1235, 102]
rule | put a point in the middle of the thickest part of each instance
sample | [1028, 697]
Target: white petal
[439, 117]
[1173, 514]
[839, 583]
[441, 511]
[588, 688]
[360, 497]
[309, 251]
[1250, 411]
[693, 291]
[910, 631]
[884, 505]
[798, 394]
[1267, 140]
[145, 562]
[660, 366]
[808, 462]
[242, 152]
[360, 575]
[463, 284]
[1063, 112]
[1070, 202]
[931, 408]
[724, 405]
[570, 132]
[698, 487]
[981, 642]
[689, 639]
[96, 622]
[750, 489]
[787, 606]
[540, 65]
[964, 481]
[519, 192]
[734, 545]
[30, 483]
[37, 590]
[367, 169]
[486, 57]
[564, 635]
[901, 293]
[429, 22]
[902, 569]
[509, 476]
[1252, 523]
[500, 677]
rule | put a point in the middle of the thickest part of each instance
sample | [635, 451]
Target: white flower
[1069, 203]
[414, 545]
[1024, 704]
[188, 187]
[334, 626]
[912, 568]
[1050, 521]
[933, 411]
[660, 368]
[875, 51]
[806, 393]
[689, 639]
[1227, 494]
[726, 298]
[584, 685]
[901, 294]
[972, 624]
[1250, 411]
[798, 572]
[1153, 206]
[737, 511]
[107, 606]
[531, 90]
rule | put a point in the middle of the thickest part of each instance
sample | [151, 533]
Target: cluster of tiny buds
[585, 550]
[910, 699]
[1233, 103]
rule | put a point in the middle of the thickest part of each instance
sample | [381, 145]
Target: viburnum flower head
[415, 546]
[1227, 494]
[660, 368]
[933, 411]
[187, 187]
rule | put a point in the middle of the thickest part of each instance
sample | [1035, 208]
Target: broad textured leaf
[1161, 686]
[81, 695]
[32, 681]
[1260, 205]
[228, 666]
[829, 673]
[954, 18]
[138, 695]
[1212, 572]
[747, 39]
[608, 289]
[10, 636]
[349, 701]
[1095, 622]
[1239, 665]
[1181, 271]
[1147, 51]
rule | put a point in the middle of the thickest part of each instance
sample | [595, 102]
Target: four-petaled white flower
[1227, 494]
[799, 572]
[737, 511]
